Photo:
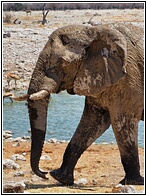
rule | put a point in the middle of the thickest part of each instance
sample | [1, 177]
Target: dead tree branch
[44, 15]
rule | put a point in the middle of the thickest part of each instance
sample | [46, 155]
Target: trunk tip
[41, 174]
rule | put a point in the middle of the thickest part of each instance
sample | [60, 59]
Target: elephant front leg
[92, 125]
[126, 133]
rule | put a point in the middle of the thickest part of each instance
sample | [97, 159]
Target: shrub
[7, 18]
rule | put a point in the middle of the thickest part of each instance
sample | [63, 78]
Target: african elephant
[105, 64]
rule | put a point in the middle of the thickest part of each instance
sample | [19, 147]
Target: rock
[45, 157]
[124, 189]
[81, 181]
[103, 175]
[52, 140]
[9, 139]
[16, 187]
[94, 182]
[26, 137]
[5, 35]
[111, 143]
[18, 157]
[16, 144]
[7, 134]
[62, 141]
[10, 164]
[19, 173]
[105, 143]
[19, 139]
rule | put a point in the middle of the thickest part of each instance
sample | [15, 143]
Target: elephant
[105, 64]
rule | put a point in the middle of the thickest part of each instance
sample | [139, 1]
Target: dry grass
[61, 18]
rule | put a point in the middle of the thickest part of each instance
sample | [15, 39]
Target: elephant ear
[104, 63]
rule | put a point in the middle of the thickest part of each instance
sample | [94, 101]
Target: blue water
[63, 117]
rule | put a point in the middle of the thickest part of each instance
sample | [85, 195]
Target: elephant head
[82, 60]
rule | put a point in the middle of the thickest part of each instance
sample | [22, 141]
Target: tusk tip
[39, 95]
[20, 98]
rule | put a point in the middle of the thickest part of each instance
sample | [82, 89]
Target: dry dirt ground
[27, 39]
[100, 165]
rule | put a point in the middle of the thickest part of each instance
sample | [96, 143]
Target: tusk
[39, 95]
[20, 98]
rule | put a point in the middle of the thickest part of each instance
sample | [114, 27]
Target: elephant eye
[50, 70]
[115, 52]
[64, 39]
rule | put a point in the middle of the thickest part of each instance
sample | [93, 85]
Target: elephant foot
[63, 177]
[139, 180]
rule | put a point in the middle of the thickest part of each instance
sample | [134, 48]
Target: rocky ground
[26, 40]
[99, 169]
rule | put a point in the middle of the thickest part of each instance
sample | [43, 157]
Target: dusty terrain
[27, 39]
[100, 165]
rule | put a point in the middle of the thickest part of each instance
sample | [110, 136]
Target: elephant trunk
[38, 120]
[38, 98]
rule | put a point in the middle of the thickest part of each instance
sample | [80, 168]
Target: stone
[124, 189]
[26, 137]
[5, 35]
[16, 144]
[10, 164]
[18, 157]
[52, 140]
[7, 134]
[103, 175]
[81, 181]
[19, 139]
[17, 187]
[45, 157]
[94, 182]
[19, 173]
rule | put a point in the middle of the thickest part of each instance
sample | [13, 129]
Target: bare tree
[44, 14]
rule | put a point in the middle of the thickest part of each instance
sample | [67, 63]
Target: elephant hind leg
[126, 132]
[93, 124]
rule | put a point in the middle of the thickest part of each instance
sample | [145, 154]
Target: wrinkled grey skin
[104, 63]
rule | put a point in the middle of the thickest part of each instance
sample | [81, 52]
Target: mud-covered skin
[106, 65]
[92, 125]
[37, 116]
[94, 122]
